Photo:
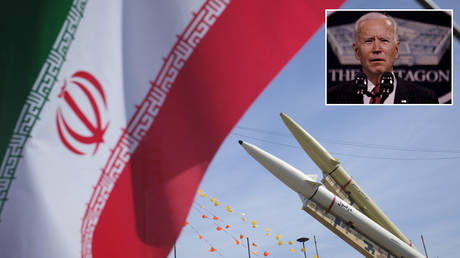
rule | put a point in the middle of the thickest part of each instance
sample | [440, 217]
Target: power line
[262, 131]
[262, 140]
[358, 144]
[346, 154]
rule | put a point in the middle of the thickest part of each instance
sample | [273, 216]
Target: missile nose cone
[289, 175]
[317, 153]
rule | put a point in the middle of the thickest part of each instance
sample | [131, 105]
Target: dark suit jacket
[406, 91]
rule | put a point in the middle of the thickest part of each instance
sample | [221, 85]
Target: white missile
[331, 166]
[306, 186]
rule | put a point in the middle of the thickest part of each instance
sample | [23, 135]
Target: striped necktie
[375, 99]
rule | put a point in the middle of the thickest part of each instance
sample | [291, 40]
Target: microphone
[360, 84]
[386, 85]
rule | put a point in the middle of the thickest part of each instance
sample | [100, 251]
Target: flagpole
[316, 247]
[424, 247]
[249, 250]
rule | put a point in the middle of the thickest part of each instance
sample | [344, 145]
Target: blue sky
[416, 189]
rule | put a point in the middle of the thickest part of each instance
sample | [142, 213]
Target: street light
[303, 240]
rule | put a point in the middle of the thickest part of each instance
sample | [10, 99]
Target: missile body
[306, 186]
[331, 166]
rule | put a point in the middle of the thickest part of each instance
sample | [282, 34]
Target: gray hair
[376, 16]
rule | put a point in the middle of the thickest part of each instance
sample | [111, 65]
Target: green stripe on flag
[29, 71]
[28, 33]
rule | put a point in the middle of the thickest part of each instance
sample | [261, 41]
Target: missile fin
[316, 184]
[311, 178]
[335, 160]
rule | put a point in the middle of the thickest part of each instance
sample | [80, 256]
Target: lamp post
[303, 240]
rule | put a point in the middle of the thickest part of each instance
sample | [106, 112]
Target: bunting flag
[201, 237]
[216, 221]
[228, 209]
[105, 102]
[253, 222]
[268, 232]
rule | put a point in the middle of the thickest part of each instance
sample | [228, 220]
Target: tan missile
[307, 187]
[331, 166]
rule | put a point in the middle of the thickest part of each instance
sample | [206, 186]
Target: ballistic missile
[307, 187]
[331, 166]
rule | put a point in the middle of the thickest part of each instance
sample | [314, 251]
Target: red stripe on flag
[244, 50]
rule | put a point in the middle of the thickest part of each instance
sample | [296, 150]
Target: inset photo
[389, 57]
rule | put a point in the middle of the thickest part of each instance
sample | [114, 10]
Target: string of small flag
[214, 220]
[225, 227]
[245, 218]
[201, 237]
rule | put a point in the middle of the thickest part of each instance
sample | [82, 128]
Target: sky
[408, 167]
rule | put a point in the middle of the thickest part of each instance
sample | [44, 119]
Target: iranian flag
[111, 112]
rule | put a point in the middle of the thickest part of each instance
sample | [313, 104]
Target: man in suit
[376, 46]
